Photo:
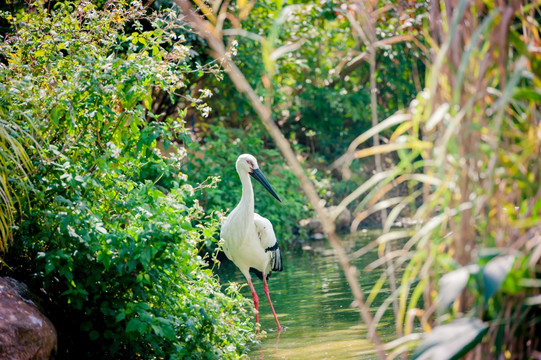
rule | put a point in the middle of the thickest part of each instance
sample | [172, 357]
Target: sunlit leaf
[400, 130]
[390, 121]
[452, 340]
[534, 300]
[101, 229]
[386, 148]
[452, 284]
[437, 116]
[530, 283]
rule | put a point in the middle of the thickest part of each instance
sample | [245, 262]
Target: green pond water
[313, 303]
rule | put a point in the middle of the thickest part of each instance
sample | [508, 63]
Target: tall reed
[469, 149]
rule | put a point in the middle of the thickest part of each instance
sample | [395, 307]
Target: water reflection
[313, 302]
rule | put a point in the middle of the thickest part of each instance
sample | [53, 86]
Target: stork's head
[246, 163]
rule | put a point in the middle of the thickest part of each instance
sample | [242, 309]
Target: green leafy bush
[109, 230]
[120, 258]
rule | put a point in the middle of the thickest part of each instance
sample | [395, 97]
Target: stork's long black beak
[258, 175]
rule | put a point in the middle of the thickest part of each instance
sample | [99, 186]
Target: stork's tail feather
[276, 257]
[277, 261]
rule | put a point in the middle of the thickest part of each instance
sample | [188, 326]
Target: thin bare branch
[282, 50]
[243, 33]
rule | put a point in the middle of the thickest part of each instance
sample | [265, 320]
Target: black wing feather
[276, 257]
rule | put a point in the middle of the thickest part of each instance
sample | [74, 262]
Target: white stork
[249, 239]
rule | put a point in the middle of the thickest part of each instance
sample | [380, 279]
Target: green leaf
[207, 233]
[134, 325]
[452, 340]
[148, 102]
[62, 199]
[86, 325]
[495, 272]
[157, 329]
[120, 316]
[145, 257]
[532, 94]
[167, 329]
[514, 282]
[56, 114]
[520, 46]
[94, 335]
[49, 267]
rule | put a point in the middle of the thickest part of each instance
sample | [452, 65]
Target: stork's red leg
[266, 290]
[256, 300]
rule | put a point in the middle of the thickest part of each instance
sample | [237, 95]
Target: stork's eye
[251, 164]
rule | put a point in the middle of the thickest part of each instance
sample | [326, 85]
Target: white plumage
[249, 239]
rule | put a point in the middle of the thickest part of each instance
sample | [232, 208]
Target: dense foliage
[318, 90]
[109, 228]
[468, 150]
[115, 233]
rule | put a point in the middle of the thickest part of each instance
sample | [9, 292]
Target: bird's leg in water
[266, 290]
[256, 300]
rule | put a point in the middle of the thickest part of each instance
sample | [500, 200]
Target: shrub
[109, 230]
[119, 258]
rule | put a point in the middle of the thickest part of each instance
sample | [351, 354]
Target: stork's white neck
[246, 204]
